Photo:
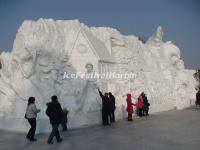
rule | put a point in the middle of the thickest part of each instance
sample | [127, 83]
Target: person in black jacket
[146, 104]
[105, 108]
[112, 107]
[55, 113]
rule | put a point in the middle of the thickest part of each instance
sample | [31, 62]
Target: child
[64, 119]
[129, 107]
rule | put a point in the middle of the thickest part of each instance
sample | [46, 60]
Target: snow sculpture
[46, 51]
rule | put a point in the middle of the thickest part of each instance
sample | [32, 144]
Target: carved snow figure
[91, 100]
[5, 90]
[70, 87]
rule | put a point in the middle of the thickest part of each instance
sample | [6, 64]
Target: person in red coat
[140, 106]
[129, 107]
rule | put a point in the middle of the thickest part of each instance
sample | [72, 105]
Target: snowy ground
[174, 130]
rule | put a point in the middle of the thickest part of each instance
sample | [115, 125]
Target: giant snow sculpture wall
[45, 49]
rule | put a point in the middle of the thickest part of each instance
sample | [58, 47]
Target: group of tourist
[142, 106]
[58, 116]
[108, 108]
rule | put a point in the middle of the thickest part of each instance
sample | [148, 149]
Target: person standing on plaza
[105, 108]
[112, 111]
[129, 107]
[145, 103]
[140, 106]
[31, 114]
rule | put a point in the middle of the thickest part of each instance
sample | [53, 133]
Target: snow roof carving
[98, 46]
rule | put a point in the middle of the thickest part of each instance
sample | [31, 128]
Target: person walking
[112, 103]
[31, 114]
[129, 107]
[105, 108]
[55, 114]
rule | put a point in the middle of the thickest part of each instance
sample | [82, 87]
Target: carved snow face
[26, 62]
[26, 56]
[116, 40]
[89, 67]
[172, 55]
[180, 65]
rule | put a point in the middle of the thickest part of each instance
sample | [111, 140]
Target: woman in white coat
[31, 114]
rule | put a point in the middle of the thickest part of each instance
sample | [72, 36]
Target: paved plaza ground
[171, 130]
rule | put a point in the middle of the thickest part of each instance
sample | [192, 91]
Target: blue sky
[180, 19]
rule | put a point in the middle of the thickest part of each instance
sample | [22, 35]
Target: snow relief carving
[44, 51]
